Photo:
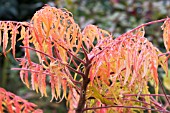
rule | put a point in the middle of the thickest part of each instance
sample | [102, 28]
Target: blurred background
[115, 16]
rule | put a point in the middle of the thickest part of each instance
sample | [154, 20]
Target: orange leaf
[5, 38]
[166, 34]
[14, 32]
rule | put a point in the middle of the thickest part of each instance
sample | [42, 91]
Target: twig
[146, 103]
[163, 90]
[38, 51]
[121, 106]
[71, 60]
[146, 95]
[71, 78]
[25, 69]
[142, 25]
[85, 53]
[73, 70]
[71, 53]
[167, 53]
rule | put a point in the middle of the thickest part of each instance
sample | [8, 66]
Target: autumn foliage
[91, 69]
[15, 104]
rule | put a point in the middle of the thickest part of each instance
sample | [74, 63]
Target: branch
[71, 60]
[75, 71]
[76, 57]
[71, 78]
[25, 69]
[163, 90]
[146, 95]
[142, 25]
[117, 106]
[38, 51]
[71, 54]
[163, 54]
[85, 53]
[156, 105]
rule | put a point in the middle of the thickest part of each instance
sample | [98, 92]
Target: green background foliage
[116, 16]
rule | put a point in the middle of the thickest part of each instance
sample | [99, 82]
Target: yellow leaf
[166, 81]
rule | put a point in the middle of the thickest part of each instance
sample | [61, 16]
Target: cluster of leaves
[15, 104]
[118, 13]
[109, 71]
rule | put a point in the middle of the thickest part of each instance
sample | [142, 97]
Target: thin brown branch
[25, 69]
[76, 57]
[121, 106]
[71, 59]
[38, 52]
[146, 95]
[144, 102]
[138, 27]
[156, 103]
[108, 46]
[71, 78]
[71, 53]
[85, 53]
[163, 90]
[75, 71]
[167, 53]
[142, 25]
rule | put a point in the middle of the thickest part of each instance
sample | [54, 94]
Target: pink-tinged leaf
[73, 98]
[33, 80]
[92, 74]
[135, 71]
[57, 86]
[9, 103]
[102, 110]
[14, 32]
[166, 34]
[26, 43]
[155, 73]
[1, 99]
[17, 106]
[52, 82]
[50, 50]
[43, 83]
[5, 39]
[162, 60]
[26, 79]
[0, 37]
[35, 35]
[128, 66]
[80, 42]
[64, 85]
[22, 76]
